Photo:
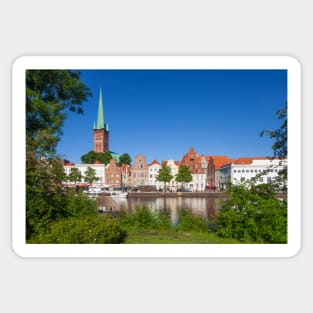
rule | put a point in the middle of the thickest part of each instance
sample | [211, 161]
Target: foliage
[143, 218]
[49, 95]
[125, 159]
[74, 175]
[90, 175]
[189, 222]
[280, 146]
[91, 157]
[183, 175]
[253, 214]
[82, 230]
[43, 208]
[104, 157]
[164, 175]
[280, 135]
[80, 205]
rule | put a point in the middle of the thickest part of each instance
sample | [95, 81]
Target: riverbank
[177, 194]
[205, 194]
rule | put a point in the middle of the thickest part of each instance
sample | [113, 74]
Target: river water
[202, 206]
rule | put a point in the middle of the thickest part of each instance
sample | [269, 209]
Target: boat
[118, 194]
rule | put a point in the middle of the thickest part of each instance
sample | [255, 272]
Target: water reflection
[203, 206]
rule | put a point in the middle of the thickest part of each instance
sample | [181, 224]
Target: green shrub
[143, 218]
[45, 208]
[253, 214]
[188, 222]
[80, 205]
[82, 230]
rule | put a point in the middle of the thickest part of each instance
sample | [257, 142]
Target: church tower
[100, 130]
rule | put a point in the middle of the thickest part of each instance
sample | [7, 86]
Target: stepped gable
[194, 162]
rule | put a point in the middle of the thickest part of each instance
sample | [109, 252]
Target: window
[235, 171]
[239, 171]
[269, 179]
[242, 179]
[261, 179]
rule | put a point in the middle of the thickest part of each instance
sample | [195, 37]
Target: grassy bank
[173, 237]
[146, 227]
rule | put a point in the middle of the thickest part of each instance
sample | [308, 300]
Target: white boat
[118, 194]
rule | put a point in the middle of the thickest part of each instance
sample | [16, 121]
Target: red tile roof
[248, 160]
[154, 162]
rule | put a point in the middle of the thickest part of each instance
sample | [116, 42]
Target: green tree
[125, 159]
[74, 175]
[90, 175]
[253, 214]
[252, 211]
[50, 95]
[89, 158]
[164, 175]
[280, 146]
[184, 175]
[104, 157]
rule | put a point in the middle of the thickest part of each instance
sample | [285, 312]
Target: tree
[165, 175]
[253, 214]
[50, 95]
[184, 175]
[280, 146]
[90, 175]
[104, 157]
[125, 159]
[74, 175]
[91, 157]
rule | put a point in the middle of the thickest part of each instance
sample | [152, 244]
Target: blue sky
[162, 113]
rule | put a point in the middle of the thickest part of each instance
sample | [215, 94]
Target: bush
[188, 222]
[82, 230]
[45, 208]
[143, 218]
[253, 214]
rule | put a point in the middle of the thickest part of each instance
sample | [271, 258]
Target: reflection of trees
[206, 206]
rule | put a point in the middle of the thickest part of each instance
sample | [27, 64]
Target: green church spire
[100, 121]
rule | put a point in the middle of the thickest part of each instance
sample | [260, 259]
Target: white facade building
[245, 169]
[154, 168]
[99, 169]
[174, 166]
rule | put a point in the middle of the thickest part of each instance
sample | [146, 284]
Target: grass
[146, 227]
[136, 236]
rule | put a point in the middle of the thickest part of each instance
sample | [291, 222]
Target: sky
[162, 113]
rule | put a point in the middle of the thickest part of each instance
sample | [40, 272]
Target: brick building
[204, 169]
[139, 172]
[100, 130]
[113, 174]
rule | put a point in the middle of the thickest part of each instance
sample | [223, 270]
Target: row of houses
[208, 172]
